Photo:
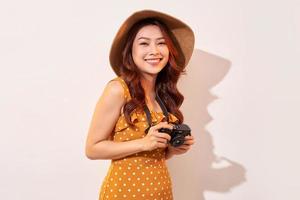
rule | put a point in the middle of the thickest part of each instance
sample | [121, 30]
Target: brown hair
[166, 80]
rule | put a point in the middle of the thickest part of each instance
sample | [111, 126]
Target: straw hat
[182, 32]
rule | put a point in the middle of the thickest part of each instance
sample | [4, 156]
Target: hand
[155, 139]
[188, 142]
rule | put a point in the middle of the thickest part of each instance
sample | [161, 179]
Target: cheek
[165, 52]
[138, 53]
[138, 57]
[134, 52]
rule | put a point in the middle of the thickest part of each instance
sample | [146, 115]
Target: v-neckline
[156, 112]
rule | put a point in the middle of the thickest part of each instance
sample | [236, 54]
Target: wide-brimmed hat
[182, 32]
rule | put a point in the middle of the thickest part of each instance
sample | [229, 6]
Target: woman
[148, 55]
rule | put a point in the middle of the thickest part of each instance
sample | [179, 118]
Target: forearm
[114, 150]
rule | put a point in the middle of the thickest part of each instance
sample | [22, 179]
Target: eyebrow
[149, 38]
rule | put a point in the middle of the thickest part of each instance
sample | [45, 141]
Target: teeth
[152, 60]
[157, 59]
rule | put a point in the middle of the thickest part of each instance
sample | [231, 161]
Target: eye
[161, 43]
[143, 43]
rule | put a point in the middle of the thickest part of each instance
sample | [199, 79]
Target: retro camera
[177, 134]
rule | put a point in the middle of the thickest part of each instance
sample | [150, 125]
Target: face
[149, 51]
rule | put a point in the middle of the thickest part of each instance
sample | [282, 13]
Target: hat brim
[182, 32]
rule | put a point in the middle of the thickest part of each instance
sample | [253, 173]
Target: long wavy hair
[166, 80]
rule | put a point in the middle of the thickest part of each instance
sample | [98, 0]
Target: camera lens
[177, 141]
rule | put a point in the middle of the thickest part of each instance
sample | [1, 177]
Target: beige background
[241, 89]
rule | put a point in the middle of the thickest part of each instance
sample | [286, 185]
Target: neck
[148, 83]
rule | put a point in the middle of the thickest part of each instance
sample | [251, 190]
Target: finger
[162, 140]
[189, 142]
[162, 145]
[184, 147]
[189, 137]
[180, 150]
[163, 135]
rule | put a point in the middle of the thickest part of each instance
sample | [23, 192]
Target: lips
[153, 61]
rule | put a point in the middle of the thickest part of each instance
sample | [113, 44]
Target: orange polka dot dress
[140, 176]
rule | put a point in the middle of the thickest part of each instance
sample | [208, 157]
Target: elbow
[90, 157]
[92, 154]
[89, 153]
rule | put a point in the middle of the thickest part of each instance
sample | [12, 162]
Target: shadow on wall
[194, 173]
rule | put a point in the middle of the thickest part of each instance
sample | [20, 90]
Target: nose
[154, 49]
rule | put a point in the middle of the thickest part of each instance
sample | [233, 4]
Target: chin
[151, 69]
[152, 72]
[155, 71]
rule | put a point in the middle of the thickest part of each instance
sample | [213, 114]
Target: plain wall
[241, 97]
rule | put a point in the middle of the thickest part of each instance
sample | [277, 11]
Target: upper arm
[106, 113]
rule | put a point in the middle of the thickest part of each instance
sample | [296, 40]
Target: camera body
[177, 134]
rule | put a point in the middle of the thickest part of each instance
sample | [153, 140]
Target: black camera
[177, 134]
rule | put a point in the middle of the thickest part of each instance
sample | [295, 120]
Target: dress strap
[125, 87]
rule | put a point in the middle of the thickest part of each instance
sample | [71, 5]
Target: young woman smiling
[148, 54]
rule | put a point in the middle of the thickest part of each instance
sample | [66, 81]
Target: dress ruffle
[141, 118]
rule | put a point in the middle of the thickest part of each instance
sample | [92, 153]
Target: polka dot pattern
[143, 175]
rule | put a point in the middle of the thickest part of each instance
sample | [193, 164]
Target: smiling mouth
[153, 61]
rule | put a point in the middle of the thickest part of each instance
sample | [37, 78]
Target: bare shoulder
[113, 92]
[114, 88]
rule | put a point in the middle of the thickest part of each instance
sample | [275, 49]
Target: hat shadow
[194, 173]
